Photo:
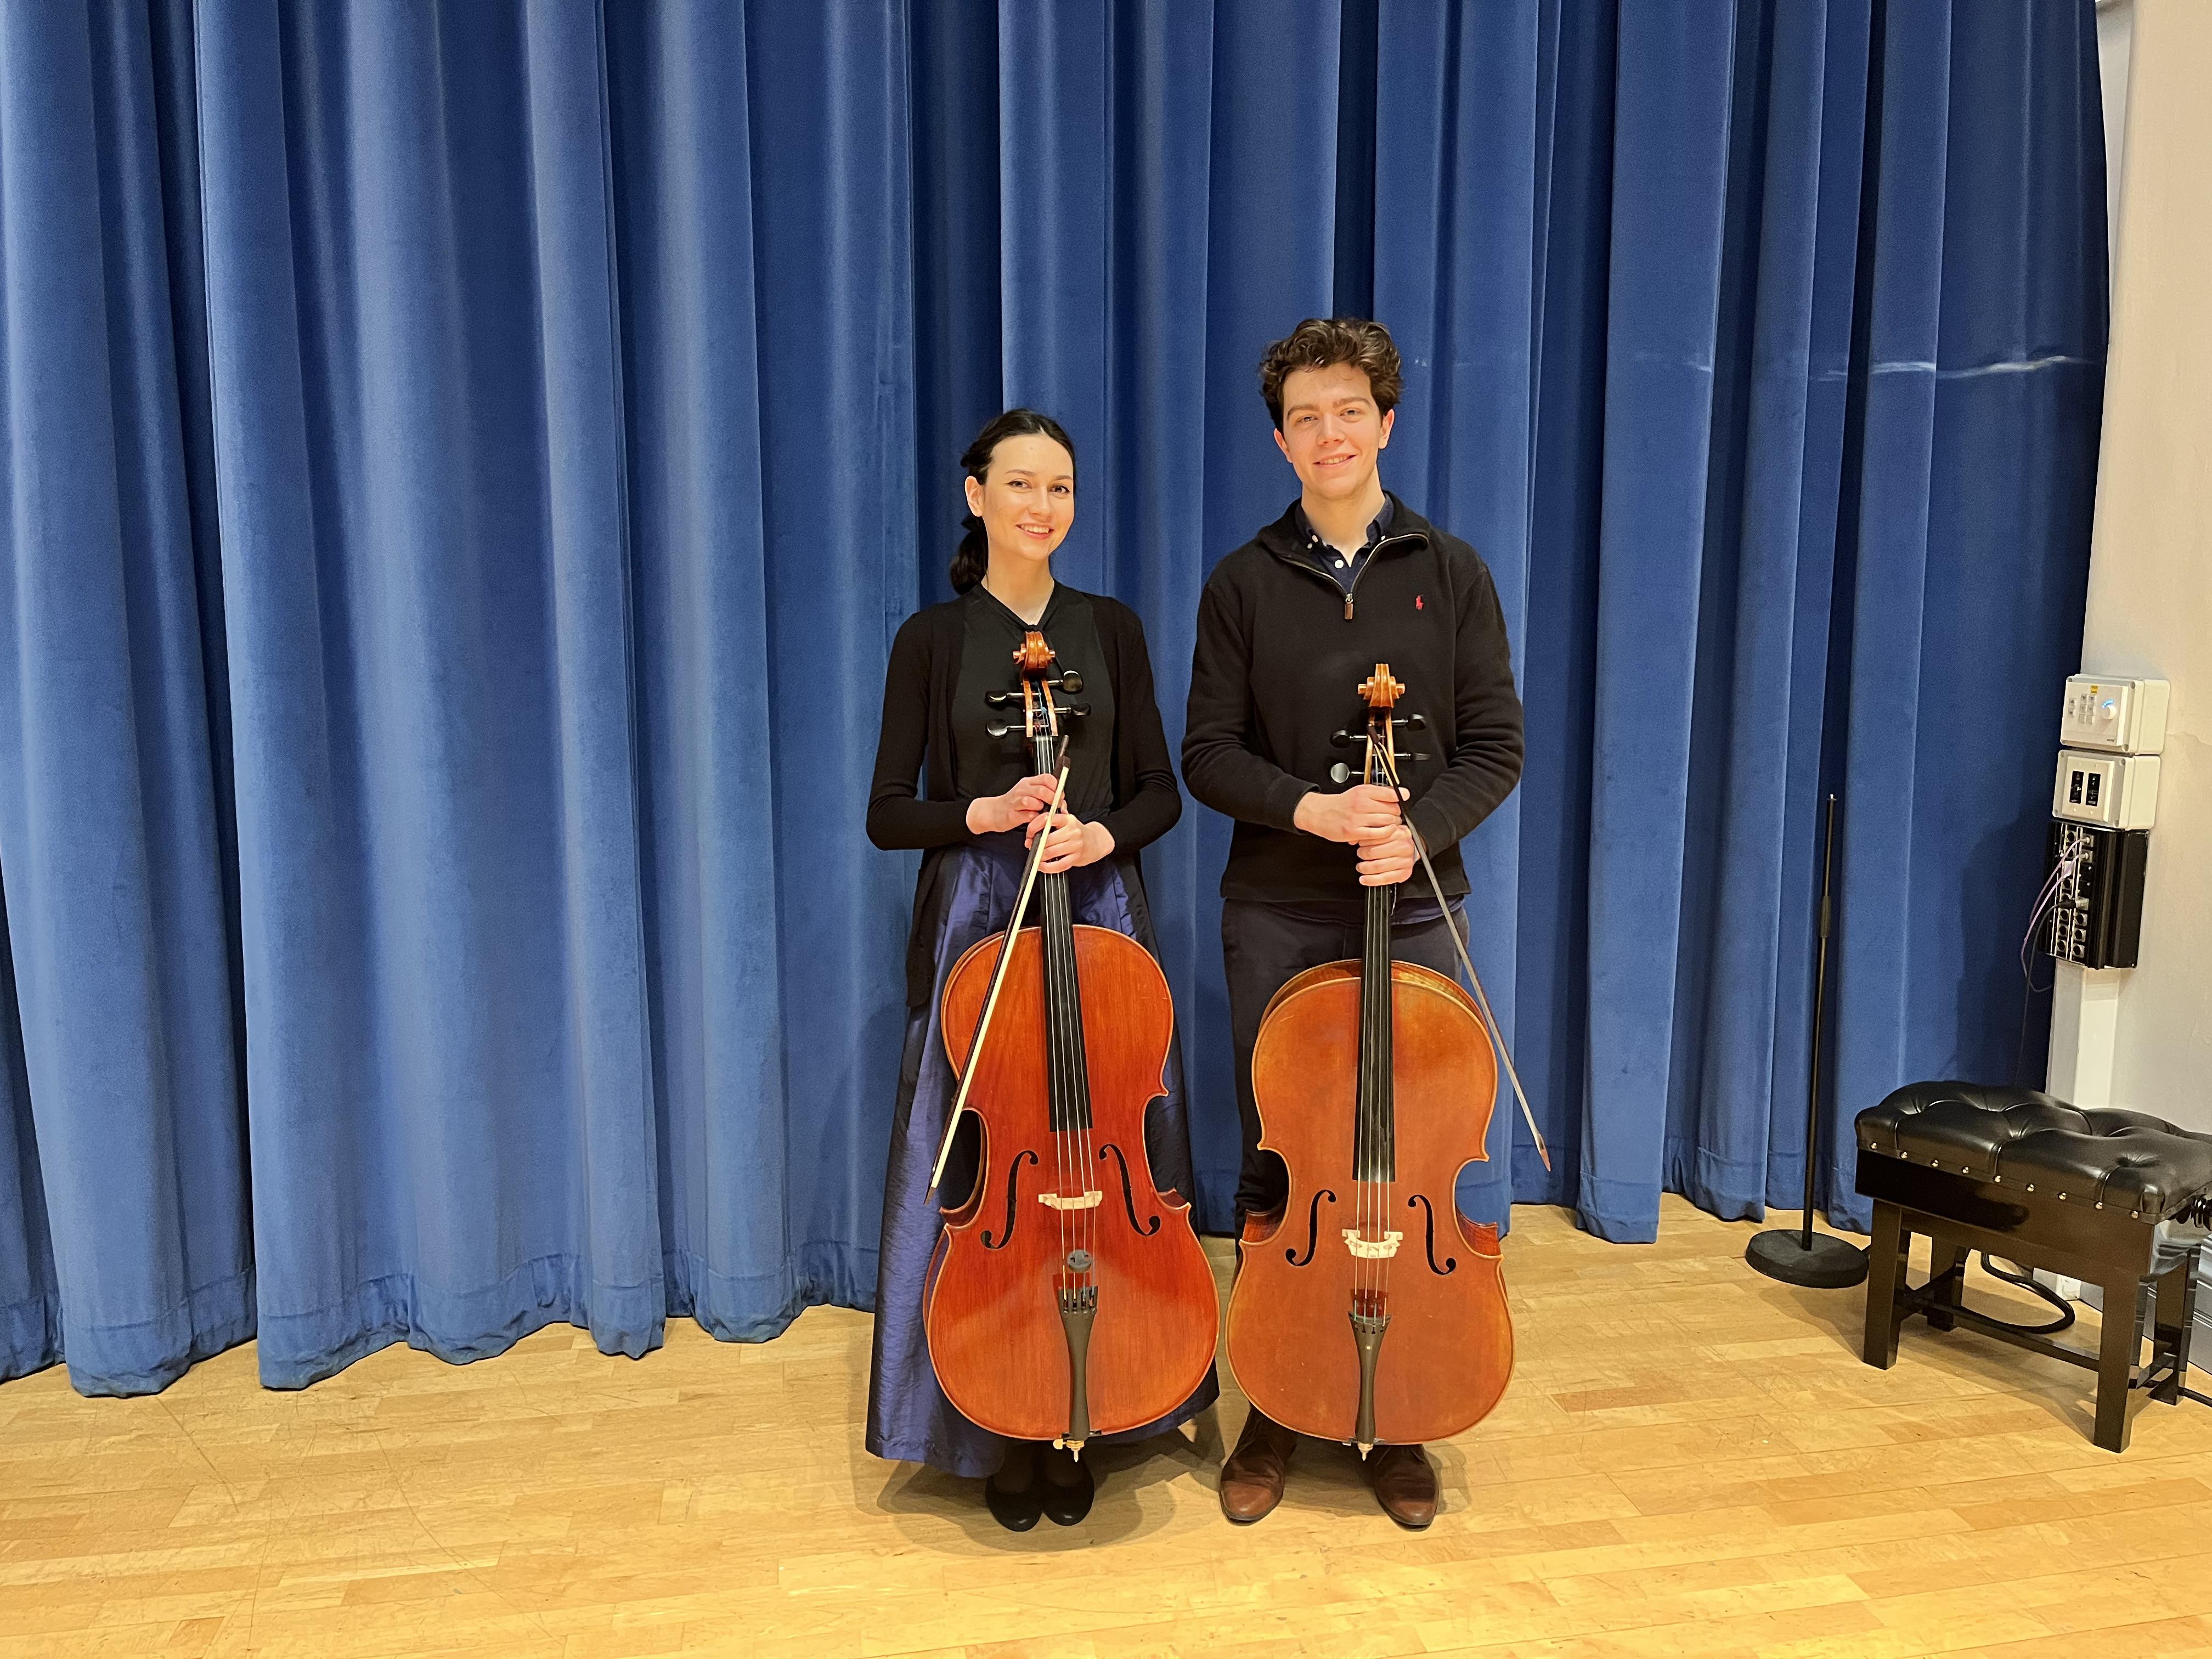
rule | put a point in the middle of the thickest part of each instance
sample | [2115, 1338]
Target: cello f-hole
[1129, 1196]
[1013, 1181]
[1451, 1262]
[1313, 1230]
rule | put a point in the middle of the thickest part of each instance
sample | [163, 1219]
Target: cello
[1369, 1309]
[1066, 1297]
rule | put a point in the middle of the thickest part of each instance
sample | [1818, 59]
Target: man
[1289, 625]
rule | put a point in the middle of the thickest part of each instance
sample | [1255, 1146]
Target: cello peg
[1417, 722]
[998, 699]
[999, 729]
[1341, 739]
[1071, 683]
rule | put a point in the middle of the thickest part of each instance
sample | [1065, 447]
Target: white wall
[2116, 28]
[2143, 1038]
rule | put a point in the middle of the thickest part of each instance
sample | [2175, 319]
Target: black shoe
[1017, 1511]
[1066, 1504]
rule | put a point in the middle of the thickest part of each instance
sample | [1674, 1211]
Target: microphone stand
[1817, 1261]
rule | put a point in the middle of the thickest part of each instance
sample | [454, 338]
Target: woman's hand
[994, 815]
[1073, 843]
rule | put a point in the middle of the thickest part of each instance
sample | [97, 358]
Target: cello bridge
[1080, 1202]
[1371, 1249]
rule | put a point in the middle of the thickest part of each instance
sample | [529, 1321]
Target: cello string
[1070, 1051]
[1078, 1082]
[1064, 1047]
[1065, 1073]
[1091, 1171]
[1376, 1082]
[1054, 1062]
[1387, 1095]
[1067, 1137]
[1386, 995]
[1359, 1118]
[1368, 1061]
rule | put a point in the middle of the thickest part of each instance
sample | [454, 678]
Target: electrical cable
[2152, 1378]
[2029, 1282]
[2060, 872]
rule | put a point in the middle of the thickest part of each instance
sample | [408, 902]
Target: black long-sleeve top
[935, 722]
[1282, 649]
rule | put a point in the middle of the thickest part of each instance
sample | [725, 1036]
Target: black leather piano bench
[2114, 1199]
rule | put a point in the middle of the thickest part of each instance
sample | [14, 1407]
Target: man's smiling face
[1332, 431]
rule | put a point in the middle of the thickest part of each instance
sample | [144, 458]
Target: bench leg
[2186, 1317]
[2116, 1362]
[1947, 1281]
[1885, 1273]
[2173, 1317]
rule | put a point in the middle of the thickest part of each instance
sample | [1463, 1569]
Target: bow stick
[1489, 1019]
[999, 978]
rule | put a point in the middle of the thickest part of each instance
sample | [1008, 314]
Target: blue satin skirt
[909, 1418]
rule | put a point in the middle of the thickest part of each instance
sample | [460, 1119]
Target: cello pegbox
[1033, 657]
[1381, 690]
[1035, 661]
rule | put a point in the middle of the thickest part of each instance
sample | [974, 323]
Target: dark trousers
[1264, 945]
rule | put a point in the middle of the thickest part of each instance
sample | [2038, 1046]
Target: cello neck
[1067, 1068]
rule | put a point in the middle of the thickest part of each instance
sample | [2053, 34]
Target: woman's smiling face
[1026, 498]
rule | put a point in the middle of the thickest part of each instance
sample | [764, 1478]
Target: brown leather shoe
[1252, 1476]
[1405, 1485]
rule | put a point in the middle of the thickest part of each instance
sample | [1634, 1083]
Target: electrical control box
[2125, 717]
[2096, 915]
[2119, 791]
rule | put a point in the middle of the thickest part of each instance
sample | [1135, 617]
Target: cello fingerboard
[1068, 1067]
[1374, 1140]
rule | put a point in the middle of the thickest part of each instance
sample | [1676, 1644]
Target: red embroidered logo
[1417, 606]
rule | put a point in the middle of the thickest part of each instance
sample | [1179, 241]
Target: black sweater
[919, 736]
[1280, 654]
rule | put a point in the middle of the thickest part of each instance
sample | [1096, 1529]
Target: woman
[975, 827]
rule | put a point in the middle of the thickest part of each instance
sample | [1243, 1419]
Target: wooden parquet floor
[1692, 1460]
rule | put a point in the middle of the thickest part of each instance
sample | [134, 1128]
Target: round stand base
[1831, 1265]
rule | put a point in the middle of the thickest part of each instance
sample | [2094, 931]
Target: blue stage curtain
[112, 788]
[463, 468]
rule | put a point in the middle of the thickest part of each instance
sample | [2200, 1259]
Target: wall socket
[2119, 791]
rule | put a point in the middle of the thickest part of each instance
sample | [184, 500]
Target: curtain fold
[691, 452]
[464, 471]
[111, 847]
[1453, 269]
[417, 411]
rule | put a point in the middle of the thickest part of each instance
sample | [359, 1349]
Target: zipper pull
[1347, 607]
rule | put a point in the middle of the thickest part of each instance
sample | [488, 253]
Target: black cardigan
[919, 686]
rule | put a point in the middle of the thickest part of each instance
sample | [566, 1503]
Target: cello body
[995, 1330]
[1449, 1350]
[1066, 1297]
[1369, 1309]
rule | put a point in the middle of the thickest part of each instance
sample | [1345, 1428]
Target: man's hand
[1363, 814]
[1389, 860]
